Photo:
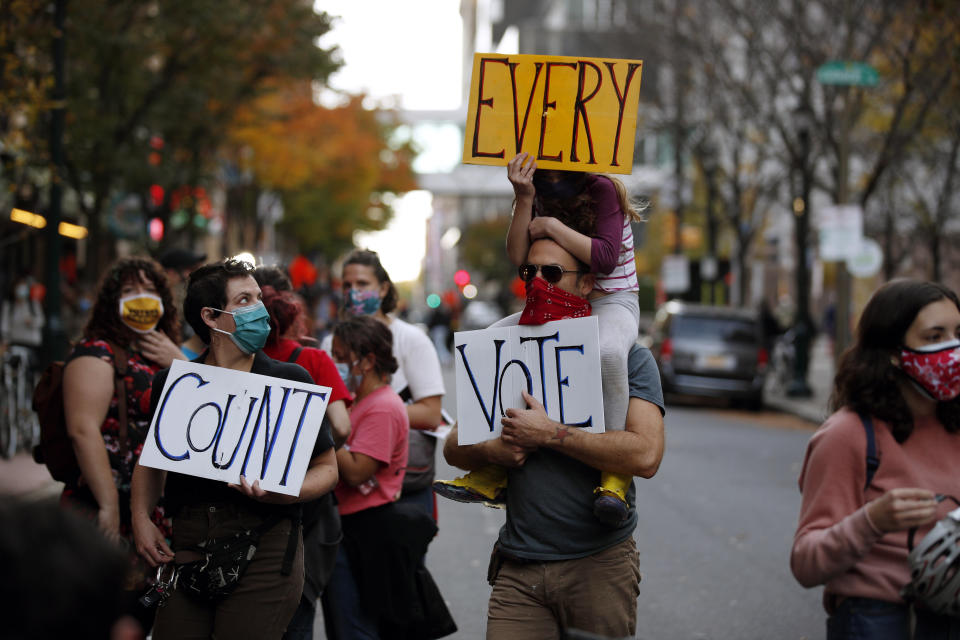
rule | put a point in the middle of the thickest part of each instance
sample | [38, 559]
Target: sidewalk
[820, 380]
[22, 478]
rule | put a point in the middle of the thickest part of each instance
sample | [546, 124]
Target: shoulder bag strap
[296, 518]
[296, 354]
[119, 373]
[873, 460]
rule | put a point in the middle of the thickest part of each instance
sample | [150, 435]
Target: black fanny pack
[223, 561]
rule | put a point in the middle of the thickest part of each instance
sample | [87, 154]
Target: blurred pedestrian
[368, 290]
[178, 263]
[874, 469]
[438, 323]
[62, 579]
[374, 582]
[21, 322]
[321, 521]
[224, 307]
[129, 337]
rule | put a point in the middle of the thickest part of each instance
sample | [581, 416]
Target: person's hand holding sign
[254, 491]
[521, 175]
[530, 428]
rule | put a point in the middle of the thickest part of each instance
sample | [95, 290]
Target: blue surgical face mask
[351, 380]
[362, 303]
[253, 327]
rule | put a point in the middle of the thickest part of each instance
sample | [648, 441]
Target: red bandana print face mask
[546, 302]
[935, 369]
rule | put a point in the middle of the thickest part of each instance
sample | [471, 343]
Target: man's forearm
[471, 457]
[468, 457]
[612, 451]
[637, 450]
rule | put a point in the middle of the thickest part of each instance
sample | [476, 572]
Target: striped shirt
[623, 277]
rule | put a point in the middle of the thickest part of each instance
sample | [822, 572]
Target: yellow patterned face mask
[141, 311]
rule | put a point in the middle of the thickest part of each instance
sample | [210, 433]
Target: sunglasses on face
[550, 272]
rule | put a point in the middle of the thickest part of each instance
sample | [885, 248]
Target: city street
[716, 524]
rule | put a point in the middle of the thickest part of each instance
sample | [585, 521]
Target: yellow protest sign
[567, 112]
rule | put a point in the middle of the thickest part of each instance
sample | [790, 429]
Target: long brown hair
[579, 212]
[867, 381]
[105, 322]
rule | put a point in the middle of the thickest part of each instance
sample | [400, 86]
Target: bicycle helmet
[935, 567]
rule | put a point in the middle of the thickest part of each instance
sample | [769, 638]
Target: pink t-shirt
[835, 543]
[379, 429]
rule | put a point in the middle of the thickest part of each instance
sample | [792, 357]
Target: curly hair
[364, 335]
[207, 287]
[286, 312]
[370, 259]
[105, 323]
[867, 381]
[578, 212]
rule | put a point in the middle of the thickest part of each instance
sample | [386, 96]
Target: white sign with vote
[220, 424]
[558, 363]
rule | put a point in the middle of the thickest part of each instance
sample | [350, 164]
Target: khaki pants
[264, 600]
[596, 594]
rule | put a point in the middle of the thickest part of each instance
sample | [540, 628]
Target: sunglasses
[550, 272]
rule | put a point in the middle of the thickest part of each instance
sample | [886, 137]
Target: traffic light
[461, 278]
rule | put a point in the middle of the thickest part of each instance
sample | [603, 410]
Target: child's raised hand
[521, 175]
[541, 226]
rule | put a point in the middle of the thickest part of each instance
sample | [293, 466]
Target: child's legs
[618, 315]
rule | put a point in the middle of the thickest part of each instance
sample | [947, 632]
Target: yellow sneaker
[610, 505]
[486, 485]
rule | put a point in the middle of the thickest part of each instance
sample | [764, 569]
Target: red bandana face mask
[546, 302]
[935, 369]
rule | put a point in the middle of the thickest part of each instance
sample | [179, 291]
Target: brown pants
[264, 600]
[597, 594]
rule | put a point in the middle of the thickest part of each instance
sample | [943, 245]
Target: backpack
[873, 460]
[56, 449]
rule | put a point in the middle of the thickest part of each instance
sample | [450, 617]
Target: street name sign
[839, 72]
[567, 112]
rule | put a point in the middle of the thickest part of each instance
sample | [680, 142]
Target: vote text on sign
[567, 112]
[558, 363]
[220, 424]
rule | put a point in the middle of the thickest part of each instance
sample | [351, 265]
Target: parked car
[710, 351]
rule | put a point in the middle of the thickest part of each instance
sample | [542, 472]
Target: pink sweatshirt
[836, 544]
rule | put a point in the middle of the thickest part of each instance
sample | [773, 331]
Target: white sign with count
[220, 424]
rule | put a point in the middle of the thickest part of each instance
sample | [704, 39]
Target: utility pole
[802, 326]
[55, 340]
[679, 87]
[844, 294]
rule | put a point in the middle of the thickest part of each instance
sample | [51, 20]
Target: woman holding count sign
[223, 305]
[130, 335]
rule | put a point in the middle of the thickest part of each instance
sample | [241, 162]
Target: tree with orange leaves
[336, 168]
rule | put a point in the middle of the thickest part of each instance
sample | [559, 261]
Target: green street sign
[848, 73]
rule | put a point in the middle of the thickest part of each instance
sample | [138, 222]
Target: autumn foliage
[331, 165]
